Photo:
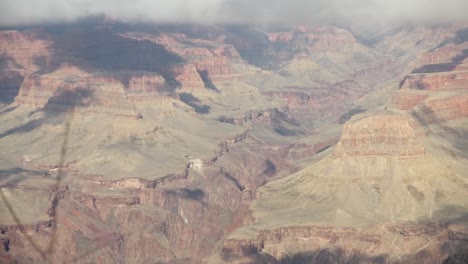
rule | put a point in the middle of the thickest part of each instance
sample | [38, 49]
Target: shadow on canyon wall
[347, 116]
[456, 137]
[10, 79]
[460, 37]
[256, 48]
[233, 180]
[285, 125]
[452, 254]
[449, 249]
[195, 103]
[55, 111]
[186, 193]
[269, 168]
[64, 101]
[443, 67]
[101, 49]
[205, 76]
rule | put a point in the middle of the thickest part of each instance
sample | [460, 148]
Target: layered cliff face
[391, 191]
[20, 54]
[69, 89]
[432, 81]
[436, 89]
[329, 69]
[207, 60]
[127, 144]
[307, 40]
[384, 195]
[390, 135]
[28, 50]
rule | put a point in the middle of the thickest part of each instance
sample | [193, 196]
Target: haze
[355, 12]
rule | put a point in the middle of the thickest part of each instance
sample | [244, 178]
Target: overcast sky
[365, 12]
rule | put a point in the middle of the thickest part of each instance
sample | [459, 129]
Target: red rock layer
[72, 90]
[144, 87]
[442, 55]
[436, 81]
[389, 135]
[214, 63]
[145, 83]
[228, 51]
[302, 151]
[26, 49]
[214, 59]
[217, 68]
[189, 77]
[350, 242]
[441, 110]
[296, 99]
[406, 101]
[333, 99]
[315, 39]
[10, 81]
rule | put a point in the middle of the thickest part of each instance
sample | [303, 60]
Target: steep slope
[393, 190]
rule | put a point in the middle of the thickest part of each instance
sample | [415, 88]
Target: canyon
[230, 144]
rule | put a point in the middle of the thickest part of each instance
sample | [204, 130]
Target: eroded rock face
[296, 99]
[26, 50]
[21, 53]
[314, 39]
[456, 80]
[71, 89]
[189, 77]
[390, 135]
[376, 194]
[11, 82]
[171, 183]
[206, 61]
[305, 245]
[406, 101]
[441, 110]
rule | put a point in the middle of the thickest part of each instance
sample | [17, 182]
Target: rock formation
[218, 144]
[386, 192]
[387, 135]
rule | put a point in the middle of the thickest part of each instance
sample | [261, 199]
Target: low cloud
[359, 12]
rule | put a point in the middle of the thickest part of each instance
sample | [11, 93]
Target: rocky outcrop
[315, 244]
[178, 209]
[301, 151]
[335, 100]
[27, 50]
[26, 227]
[436, 81]
[214, 64]
[228, 51]
[450, 57]
[189, 77]
[72, 90]
[318, 39]
[441, 110]
[296, 99]
[204, 61]
[21, 53]
[441, 56]
[217, 68]
[403, 100]
[145, 84]
[385, 135]
[11, 81]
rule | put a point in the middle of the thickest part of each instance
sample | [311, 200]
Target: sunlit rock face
[379, 136]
